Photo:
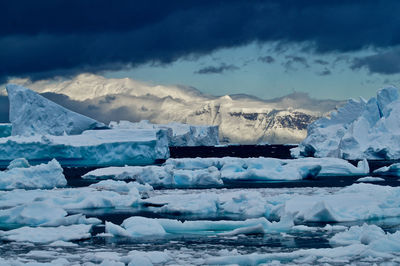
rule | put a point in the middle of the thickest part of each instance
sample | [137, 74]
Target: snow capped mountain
[241, 118]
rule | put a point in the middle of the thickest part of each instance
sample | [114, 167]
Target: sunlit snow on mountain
[241, 118]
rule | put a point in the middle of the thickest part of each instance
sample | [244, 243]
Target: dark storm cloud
[383, 63]
[266, 59]
[216, 69]
[60, 37]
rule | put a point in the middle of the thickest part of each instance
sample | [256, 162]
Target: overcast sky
[330, 49]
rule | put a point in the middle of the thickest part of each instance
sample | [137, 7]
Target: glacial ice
[48, 234]
[392, 170]
[5, 130]
[180, 134]
[360, 129]
[31, 114]
[203, 172]
[370, 179]
[137, 226]
[21, 175]
[91, 148]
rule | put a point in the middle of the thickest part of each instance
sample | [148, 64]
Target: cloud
[55, 37]
[324, 72]
[293, 60]
[383, 63]
[216, 69]
[266, 59]
[321, 62]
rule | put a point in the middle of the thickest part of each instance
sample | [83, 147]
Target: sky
[328, 49]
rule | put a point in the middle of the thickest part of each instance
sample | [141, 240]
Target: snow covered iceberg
[360, 129]
[180, 134]
[31, 113]
[21, 175]
[212, 172]
[91, 148]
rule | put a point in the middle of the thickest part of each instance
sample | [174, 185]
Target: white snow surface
[21, 175]
[360, 129]
[92, 147]
[181, 135]
[194, 172]
[31, 113]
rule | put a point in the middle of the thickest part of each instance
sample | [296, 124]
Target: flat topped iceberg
[180, 134]
[31, 113]
[91, 148]
[360, 129]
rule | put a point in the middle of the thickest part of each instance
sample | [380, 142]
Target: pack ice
[31, 113]
[179, 134]
[361, 129]
[203, 172]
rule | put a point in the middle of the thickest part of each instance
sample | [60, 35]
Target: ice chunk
[140, 226]
[21, 175]
[370, 179]
[180, 135]
[31, 113]
[92, 147]
[392, 170]
[48, 234]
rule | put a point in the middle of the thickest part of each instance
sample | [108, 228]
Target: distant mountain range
[241, 118]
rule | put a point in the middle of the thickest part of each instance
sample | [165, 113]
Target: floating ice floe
[360, 129]
[370, 179]
[179, 134]
[91, 148]
[392, 170]
[204, 172]
[31, 114]
[357, 202]
[21, 175]
[140, 226]
[48, 234]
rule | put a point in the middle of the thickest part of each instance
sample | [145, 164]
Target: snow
[21, 175]
[361, 129]
[91, 148]
[31, 113]
[181, 135]
[241, 118]
[48, 234]
[140, 226]
[212, 172]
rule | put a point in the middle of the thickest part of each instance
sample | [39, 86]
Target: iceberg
[361, 129]
[179, 134]
[391, 170]
[48, 234]
[91, 148]
[138, 226]
[21, 175]
[5, 130]
[214, 172]
[31, 113]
